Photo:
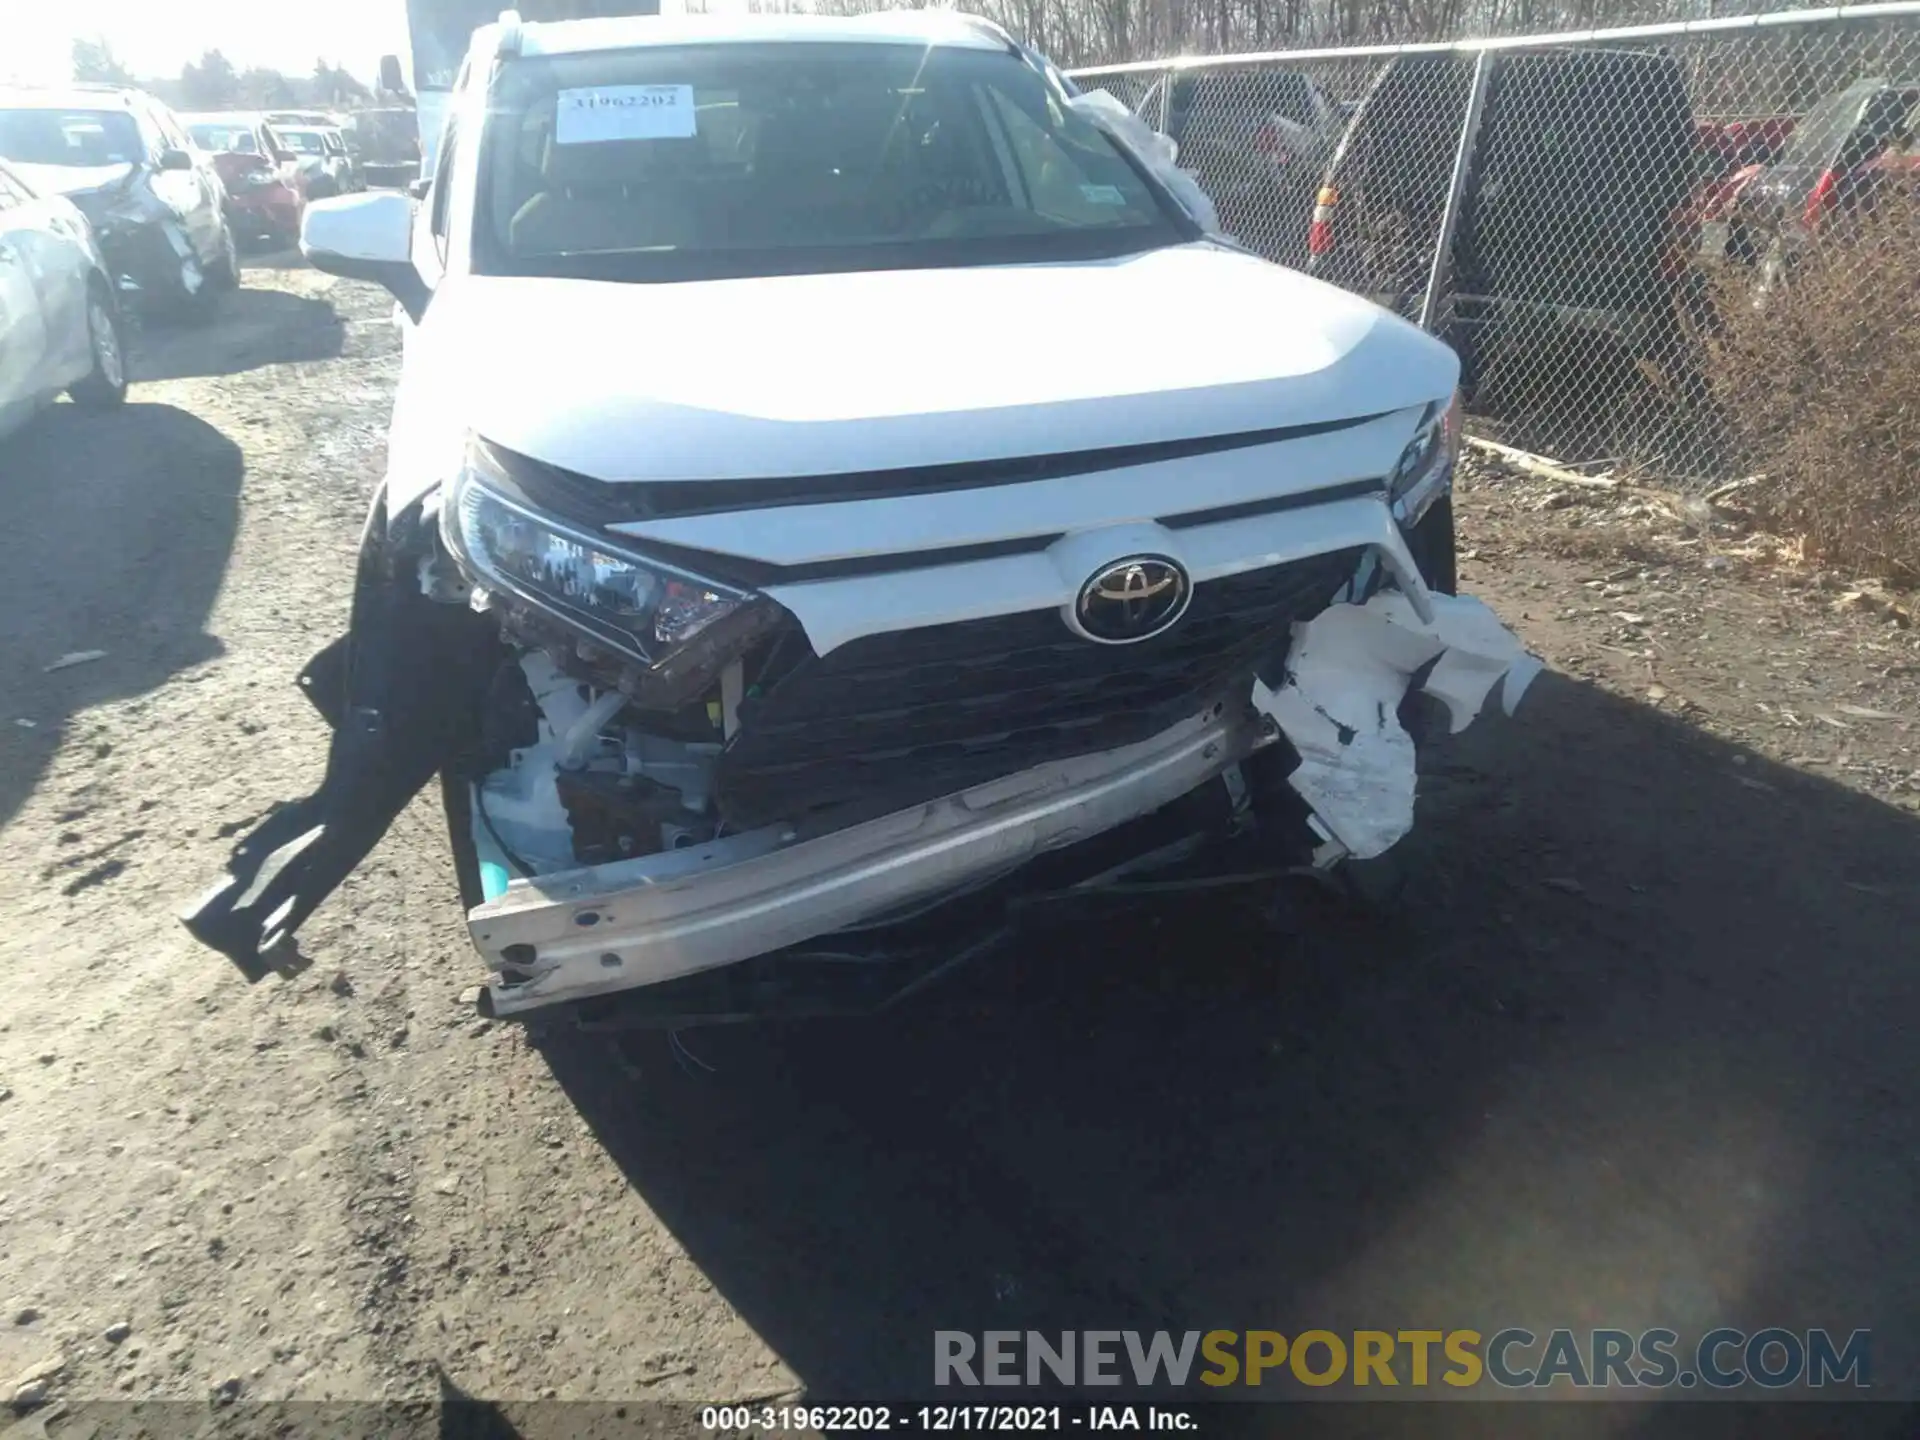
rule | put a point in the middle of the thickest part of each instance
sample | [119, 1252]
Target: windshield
[744, 159]
[1824, 128]
[302, 142]
[70, 137]
[1244, 95]
[225, 139]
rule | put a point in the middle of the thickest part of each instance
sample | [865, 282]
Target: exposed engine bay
[581, 784]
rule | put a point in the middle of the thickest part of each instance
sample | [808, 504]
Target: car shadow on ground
[285, 257]
[119, 528]
[1635, 1052]
[257, 327]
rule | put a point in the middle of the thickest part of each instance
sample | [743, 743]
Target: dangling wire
[685, 1058]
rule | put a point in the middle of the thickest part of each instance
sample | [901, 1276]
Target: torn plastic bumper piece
[1347, 672]
[402, 693]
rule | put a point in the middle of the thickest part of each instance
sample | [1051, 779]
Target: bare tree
[94, 62]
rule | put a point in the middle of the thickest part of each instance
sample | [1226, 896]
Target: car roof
[67, 97]
[628, 32]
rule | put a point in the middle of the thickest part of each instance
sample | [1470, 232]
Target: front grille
[898, 719]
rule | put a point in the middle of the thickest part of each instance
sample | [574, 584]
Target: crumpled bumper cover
[149, 259]
[1347, 671]
[596, 931]
[638, 922]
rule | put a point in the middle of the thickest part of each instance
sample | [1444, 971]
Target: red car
[1836, 160]
[266, 190]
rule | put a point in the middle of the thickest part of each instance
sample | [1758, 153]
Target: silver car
[60, 326]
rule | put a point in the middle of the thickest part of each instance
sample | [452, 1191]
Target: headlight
[636, 605]
[1425, 468]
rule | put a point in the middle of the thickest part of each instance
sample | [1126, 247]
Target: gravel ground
[1637, 1049]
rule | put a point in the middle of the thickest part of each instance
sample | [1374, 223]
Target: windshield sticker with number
[624, 112]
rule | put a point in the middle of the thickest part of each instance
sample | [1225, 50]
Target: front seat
[610, 195]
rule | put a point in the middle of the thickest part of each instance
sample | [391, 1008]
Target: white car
[783, 604]
[60, 327]
[321, 155]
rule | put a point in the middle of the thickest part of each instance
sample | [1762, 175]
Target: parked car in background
[1258, 140]
[342, 145]
[266, 190]
[1730, 145]
[155, 201]
[308, 119]
[321, 158]
[1574, 207]
[346, 165]
[59, 315]
[1842, 156]
[1728, 155]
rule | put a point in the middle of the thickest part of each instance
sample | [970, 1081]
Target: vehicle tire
[1466, 343]
[457, 802]
[1432, 545]
[1374, 886]
[225, 271]
[199, 305]
[106, 384]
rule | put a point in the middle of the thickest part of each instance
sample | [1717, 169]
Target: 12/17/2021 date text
[941, 1419]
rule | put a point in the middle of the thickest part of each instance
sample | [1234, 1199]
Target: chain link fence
[1659, 248]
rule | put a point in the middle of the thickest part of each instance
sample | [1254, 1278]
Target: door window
[171, 135]
[1064, 183]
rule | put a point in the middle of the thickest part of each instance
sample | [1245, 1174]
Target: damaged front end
[687, 789]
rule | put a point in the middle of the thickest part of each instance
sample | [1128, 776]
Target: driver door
[195, 194]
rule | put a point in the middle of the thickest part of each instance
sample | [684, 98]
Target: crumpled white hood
[831, 374]
[71, 179]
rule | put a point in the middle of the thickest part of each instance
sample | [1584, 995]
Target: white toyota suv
[840, 491]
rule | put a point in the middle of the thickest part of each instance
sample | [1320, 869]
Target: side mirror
[390, 78]
[421, 188]
[367, 237]
[175, 160]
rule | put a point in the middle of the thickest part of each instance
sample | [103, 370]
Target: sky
[156, 37]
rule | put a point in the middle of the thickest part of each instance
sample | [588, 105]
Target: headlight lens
[636, 605]
[1425, 467]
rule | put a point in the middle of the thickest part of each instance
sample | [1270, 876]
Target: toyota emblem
[1132, 600]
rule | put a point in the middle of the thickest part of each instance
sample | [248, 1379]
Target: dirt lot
[1638, 1050]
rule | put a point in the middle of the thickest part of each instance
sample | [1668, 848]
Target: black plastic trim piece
[616, 502]
[1277, 504]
